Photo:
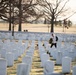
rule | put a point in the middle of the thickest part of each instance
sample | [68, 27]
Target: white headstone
[66, 64]
[22, 69]
[54, 53]
[26, 59]
[44, 58]
[3, 52]
[10, 59]
[74, 70]
[71, 54]
[59, 58]
[3, 67]
[49, 67]
[29, 53]
[15, 52]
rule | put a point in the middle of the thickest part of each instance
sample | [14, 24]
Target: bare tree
[29, 12]
[6, 11]
[53, 9]
[3, 7]
[23, 12]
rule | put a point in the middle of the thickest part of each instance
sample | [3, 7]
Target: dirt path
[36, 68]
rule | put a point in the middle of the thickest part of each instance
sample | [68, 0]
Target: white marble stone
[59, 58]
[71, 54]
[74, 70]
[44, 58]
[66, 65]
[15, 52]
[10, 59]
[26, 59]
[3, 52]
[49, 67]
[54, 53]
[29, 53]
[3, 67]
[23, 69]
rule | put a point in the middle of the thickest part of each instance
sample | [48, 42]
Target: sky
[72, 5]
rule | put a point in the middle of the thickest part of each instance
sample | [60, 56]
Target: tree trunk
[10, 16]
[9, 25]
[52, 21]
[20, 16]
[13, 30]
[52, 26]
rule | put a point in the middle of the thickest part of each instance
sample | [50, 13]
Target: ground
[36, 68]
[40, 28]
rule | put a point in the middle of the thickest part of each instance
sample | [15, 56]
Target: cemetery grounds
[36, 67]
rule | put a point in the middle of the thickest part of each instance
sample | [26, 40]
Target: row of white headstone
[46, 63]
[64, 61]
[66, 49]
[37, 36]
[24, 68]
[20, 48]
[7, 57]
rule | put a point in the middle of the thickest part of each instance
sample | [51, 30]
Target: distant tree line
[61, 22]
[66, 23]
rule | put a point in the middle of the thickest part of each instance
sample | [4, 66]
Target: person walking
[54, 40]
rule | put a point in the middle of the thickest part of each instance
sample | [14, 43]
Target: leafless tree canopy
[18, 11]
[27, 10]
[53, 9]
[50, 7]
